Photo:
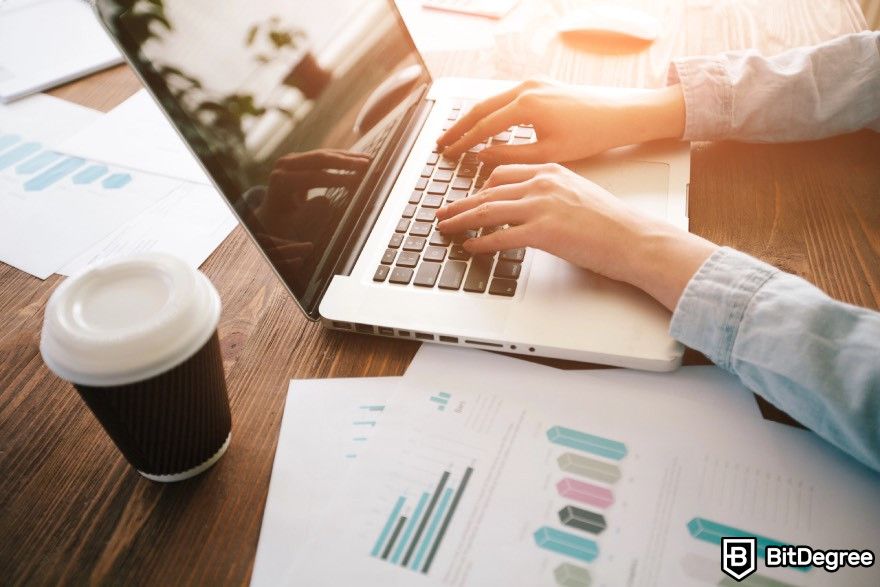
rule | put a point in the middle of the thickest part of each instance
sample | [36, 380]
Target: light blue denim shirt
[813, 357]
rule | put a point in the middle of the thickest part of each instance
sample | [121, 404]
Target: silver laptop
[317, 120]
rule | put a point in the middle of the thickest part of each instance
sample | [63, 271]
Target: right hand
[571, 122]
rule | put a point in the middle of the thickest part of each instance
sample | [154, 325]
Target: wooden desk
[71, 510]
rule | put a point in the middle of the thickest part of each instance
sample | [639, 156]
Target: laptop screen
[289, 105]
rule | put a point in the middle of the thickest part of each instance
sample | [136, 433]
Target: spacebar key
[453, 273]
[478, 276]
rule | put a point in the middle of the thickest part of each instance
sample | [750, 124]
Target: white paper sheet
[136, 134]
[685, 460]
[44, 43]
[189, 223]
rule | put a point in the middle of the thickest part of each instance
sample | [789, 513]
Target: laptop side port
[364, 328]
[484, 343]
[341, 325]
[451, 339]
[424, 336]
[403, 333]
[385, 331]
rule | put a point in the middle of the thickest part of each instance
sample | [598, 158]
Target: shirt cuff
[708, 96]
[709, 312]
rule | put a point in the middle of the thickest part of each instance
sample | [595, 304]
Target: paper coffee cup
[137, 338]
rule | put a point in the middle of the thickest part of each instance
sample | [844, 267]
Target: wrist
[665, 259]
[663, 114]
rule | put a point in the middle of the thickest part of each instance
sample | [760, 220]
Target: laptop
[317, 121]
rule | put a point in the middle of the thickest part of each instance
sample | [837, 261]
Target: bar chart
[41, 168]
[415, 527]
[588, 469]
[441, 399]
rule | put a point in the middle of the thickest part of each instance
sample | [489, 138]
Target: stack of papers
[64, 210]
[478, 469]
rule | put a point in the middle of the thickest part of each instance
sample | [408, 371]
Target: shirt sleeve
[813, 357]
[802, 94]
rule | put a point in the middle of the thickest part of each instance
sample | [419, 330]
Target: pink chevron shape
[587, 493]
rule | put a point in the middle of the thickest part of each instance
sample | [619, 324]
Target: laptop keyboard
[418, 253]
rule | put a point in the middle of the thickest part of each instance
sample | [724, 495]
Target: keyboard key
[443, 175]
[432, 159]
[467, 171]
[502, 287]
[437, 254]
[402, 226]
[414, 243]
[461, 183]
[395, 241]
[445, 163]
[420, 229]
[415, 197]
[381, 273]
[502, 137]
[408, 259]
[523, 133]
[401, 275]
[463, 236]
[427, 170]
[453, 115]
[508, 269]
[458, 253]
[432, 201]
[426, 215]
[421, 184]
[409, 211]
[388, 257]
[515, 255]
[439, 188]
[478, 275]
[453, 273]
[426, 276]
[439, 239]
[456, 195]
[520, 141]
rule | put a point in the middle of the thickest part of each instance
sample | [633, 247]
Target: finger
[323, 159]
[500, 240]
[489, 214]
[506, 192]
[506, 174]
[479, 111]
[494, 123]
[526, 153]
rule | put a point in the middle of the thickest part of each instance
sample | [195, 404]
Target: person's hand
[554, 209]
[571, 122]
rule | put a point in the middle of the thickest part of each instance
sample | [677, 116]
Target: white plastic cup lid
[128, 320]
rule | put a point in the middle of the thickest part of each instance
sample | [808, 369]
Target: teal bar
[603, 447]
[89, 174]
[360, 438]
[426, 541]
[53, 175]
[383, 536]
[20, 152]
[373, 408]
[364, 423]
[444, 394]
[37, 163]
[410, 526]
[566, 544]
[713, 532]
[438, 400]
[8, 140]
[117, 180]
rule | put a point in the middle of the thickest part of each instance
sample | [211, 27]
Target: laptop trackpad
[642, 183]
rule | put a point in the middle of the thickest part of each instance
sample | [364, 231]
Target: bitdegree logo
[804, 556]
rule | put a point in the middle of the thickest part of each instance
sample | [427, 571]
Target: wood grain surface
[72, 511]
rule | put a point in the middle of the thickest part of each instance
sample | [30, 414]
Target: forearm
[801, 94]
[813, 357]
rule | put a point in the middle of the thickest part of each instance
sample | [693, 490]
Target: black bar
[424, 522]
[455, 500]
[394, 534]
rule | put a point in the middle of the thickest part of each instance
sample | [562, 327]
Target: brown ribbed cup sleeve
[172, 422]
